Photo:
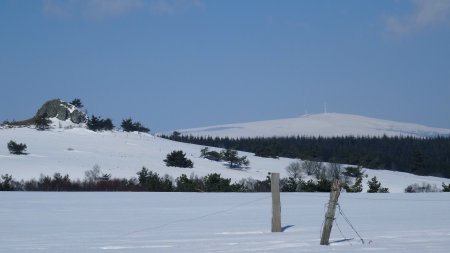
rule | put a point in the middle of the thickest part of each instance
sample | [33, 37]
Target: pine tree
[353, 171]
[178, 159]
[374, 185]
[204, 151]
[356, 187]
[185, 184]
[289, 185]
[98, 124]
[151, 181]
[16, 148]
[210, 155]
[93, 123]
[5, 183]
[77, 103]
[215, 183]
[42, 122]
[108, 125]
[129, 126]
[234, 161]
[445, 188]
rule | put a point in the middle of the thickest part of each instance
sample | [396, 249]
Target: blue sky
[191, 63]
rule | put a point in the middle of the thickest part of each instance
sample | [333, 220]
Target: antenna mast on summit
[324, 107]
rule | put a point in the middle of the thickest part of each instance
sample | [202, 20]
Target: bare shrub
[92, 176]
[309, 167]
[424, 187]
[295, 170]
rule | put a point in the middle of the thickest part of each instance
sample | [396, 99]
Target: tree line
[320, 180]
[421, 156]
[148, 180]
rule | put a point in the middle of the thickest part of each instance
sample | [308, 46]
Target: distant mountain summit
[324, 124]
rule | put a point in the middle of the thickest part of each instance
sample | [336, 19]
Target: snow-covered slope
[325, 124]
[74, 151]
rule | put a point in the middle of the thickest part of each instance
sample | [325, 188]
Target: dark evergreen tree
[210, 155]
[178, 159]
[42, 122]
[176, 136]
[324, 185]
[353, 171]
[288, 184]
[204, 151]
[93, 123]
[445, 188]
[5, 183]
[234, 161]
[417, 162]
[151, 181]
[98, 124]
[77, 103]
[375, 186]
[356, 187]
[129, 126]
[215, 183]
[107, 124]
[266, 151]
[185, 184]
[16, 148]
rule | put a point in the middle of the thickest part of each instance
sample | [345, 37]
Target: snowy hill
[325, 124]
[76, 150]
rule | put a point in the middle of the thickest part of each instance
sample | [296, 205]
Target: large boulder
[56, 108]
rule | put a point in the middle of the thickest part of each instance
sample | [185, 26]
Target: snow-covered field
[219, 222]
[74, 151]
[324, 124]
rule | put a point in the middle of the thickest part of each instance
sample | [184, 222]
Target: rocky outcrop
[61, 110]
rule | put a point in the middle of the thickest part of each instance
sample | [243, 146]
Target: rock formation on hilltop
[56, 108]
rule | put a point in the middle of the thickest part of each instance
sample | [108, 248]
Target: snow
[325, 124]
[76, 150]
[67, 124]
[219, 222]
[196, 222]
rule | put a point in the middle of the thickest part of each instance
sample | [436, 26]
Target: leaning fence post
[329, 216]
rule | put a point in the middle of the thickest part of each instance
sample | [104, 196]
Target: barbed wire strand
[349, 223]
[342, 234]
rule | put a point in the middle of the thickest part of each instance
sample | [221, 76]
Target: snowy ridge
[74, 151]
[324, 124]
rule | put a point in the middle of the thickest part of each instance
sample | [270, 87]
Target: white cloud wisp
[426, 13]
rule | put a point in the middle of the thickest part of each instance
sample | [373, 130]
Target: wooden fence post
[329, 216]
[276, 205]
